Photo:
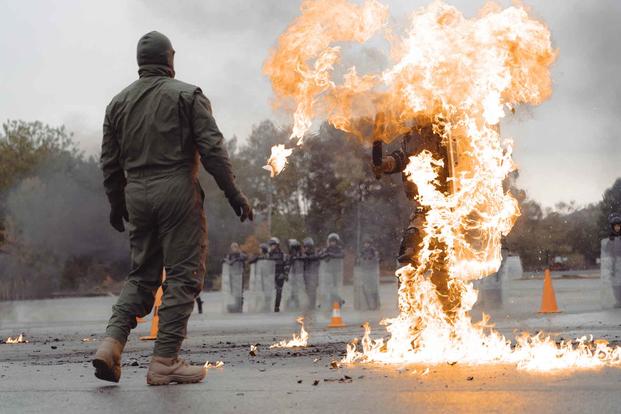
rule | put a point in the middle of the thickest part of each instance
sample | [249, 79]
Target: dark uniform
[281, 269]
[155, 132]
[333, 248]
[412, 144]
[311, 272]
[295, 266]
[368, 252]
[615, 225]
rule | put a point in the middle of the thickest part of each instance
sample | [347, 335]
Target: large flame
[458, 76]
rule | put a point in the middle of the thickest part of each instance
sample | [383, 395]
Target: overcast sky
[62, 61]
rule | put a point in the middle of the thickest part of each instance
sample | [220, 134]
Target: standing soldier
[311, 272]
[280, 269]
[154, 133]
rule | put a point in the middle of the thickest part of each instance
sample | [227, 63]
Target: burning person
[281, 269]
[420, 138]
[155, 131]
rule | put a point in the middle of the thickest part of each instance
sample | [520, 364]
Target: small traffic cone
[336, 321]
[548, 298]
[155, 321]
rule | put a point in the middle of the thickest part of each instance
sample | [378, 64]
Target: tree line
[55, 236]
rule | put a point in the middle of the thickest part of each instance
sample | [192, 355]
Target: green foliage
[566, 231]
[24, 146]
[58, 237]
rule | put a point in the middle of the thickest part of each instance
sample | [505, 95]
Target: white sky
[62, 61]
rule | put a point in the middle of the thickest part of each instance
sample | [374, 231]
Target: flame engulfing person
[449, 81]
[298, 341]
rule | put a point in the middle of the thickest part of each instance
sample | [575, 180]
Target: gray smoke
[56, 217]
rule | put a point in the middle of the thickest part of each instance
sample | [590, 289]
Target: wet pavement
[52, 373]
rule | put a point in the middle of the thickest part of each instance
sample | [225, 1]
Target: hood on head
[155, 49]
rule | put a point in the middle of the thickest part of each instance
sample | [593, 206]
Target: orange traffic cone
[548, 298]
[155, 321]
[336, 321]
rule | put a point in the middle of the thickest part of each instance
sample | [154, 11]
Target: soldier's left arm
[114, 177]
[213, 153]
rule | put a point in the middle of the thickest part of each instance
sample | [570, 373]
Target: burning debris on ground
[298, 341]
[17, 340]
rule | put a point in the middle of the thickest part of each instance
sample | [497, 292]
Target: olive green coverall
[155, 131]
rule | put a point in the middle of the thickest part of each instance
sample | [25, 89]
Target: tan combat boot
[163, 371]
[107, 361]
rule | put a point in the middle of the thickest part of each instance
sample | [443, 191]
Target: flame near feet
[298, 341]
[424, 334]
[217, 364]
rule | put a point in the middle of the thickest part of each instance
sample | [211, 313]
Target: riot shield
[253, 297]
[366, 284]
[490, 290]
[513, 268]
[610, 269]
[330, 282]
[261, 289]
[232, 279]
[294, 290]
[311, 281]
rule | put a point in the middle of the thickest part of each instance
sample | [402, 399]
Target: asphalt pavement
[52, 373]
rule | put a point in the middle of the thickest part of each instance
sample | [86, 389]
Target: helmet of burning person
[274, 241]
[309, 242]
[334, 237]
[614, 218]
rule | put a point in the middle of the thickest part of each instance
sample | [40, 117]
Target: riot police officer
[615, 225]
[368, 252]
[333, 248]
[235, 254]
[280, 269]
[311, 271]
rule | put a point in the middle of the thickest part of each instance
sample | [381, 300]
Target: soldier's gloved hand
[118, 212]
[241, 206]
